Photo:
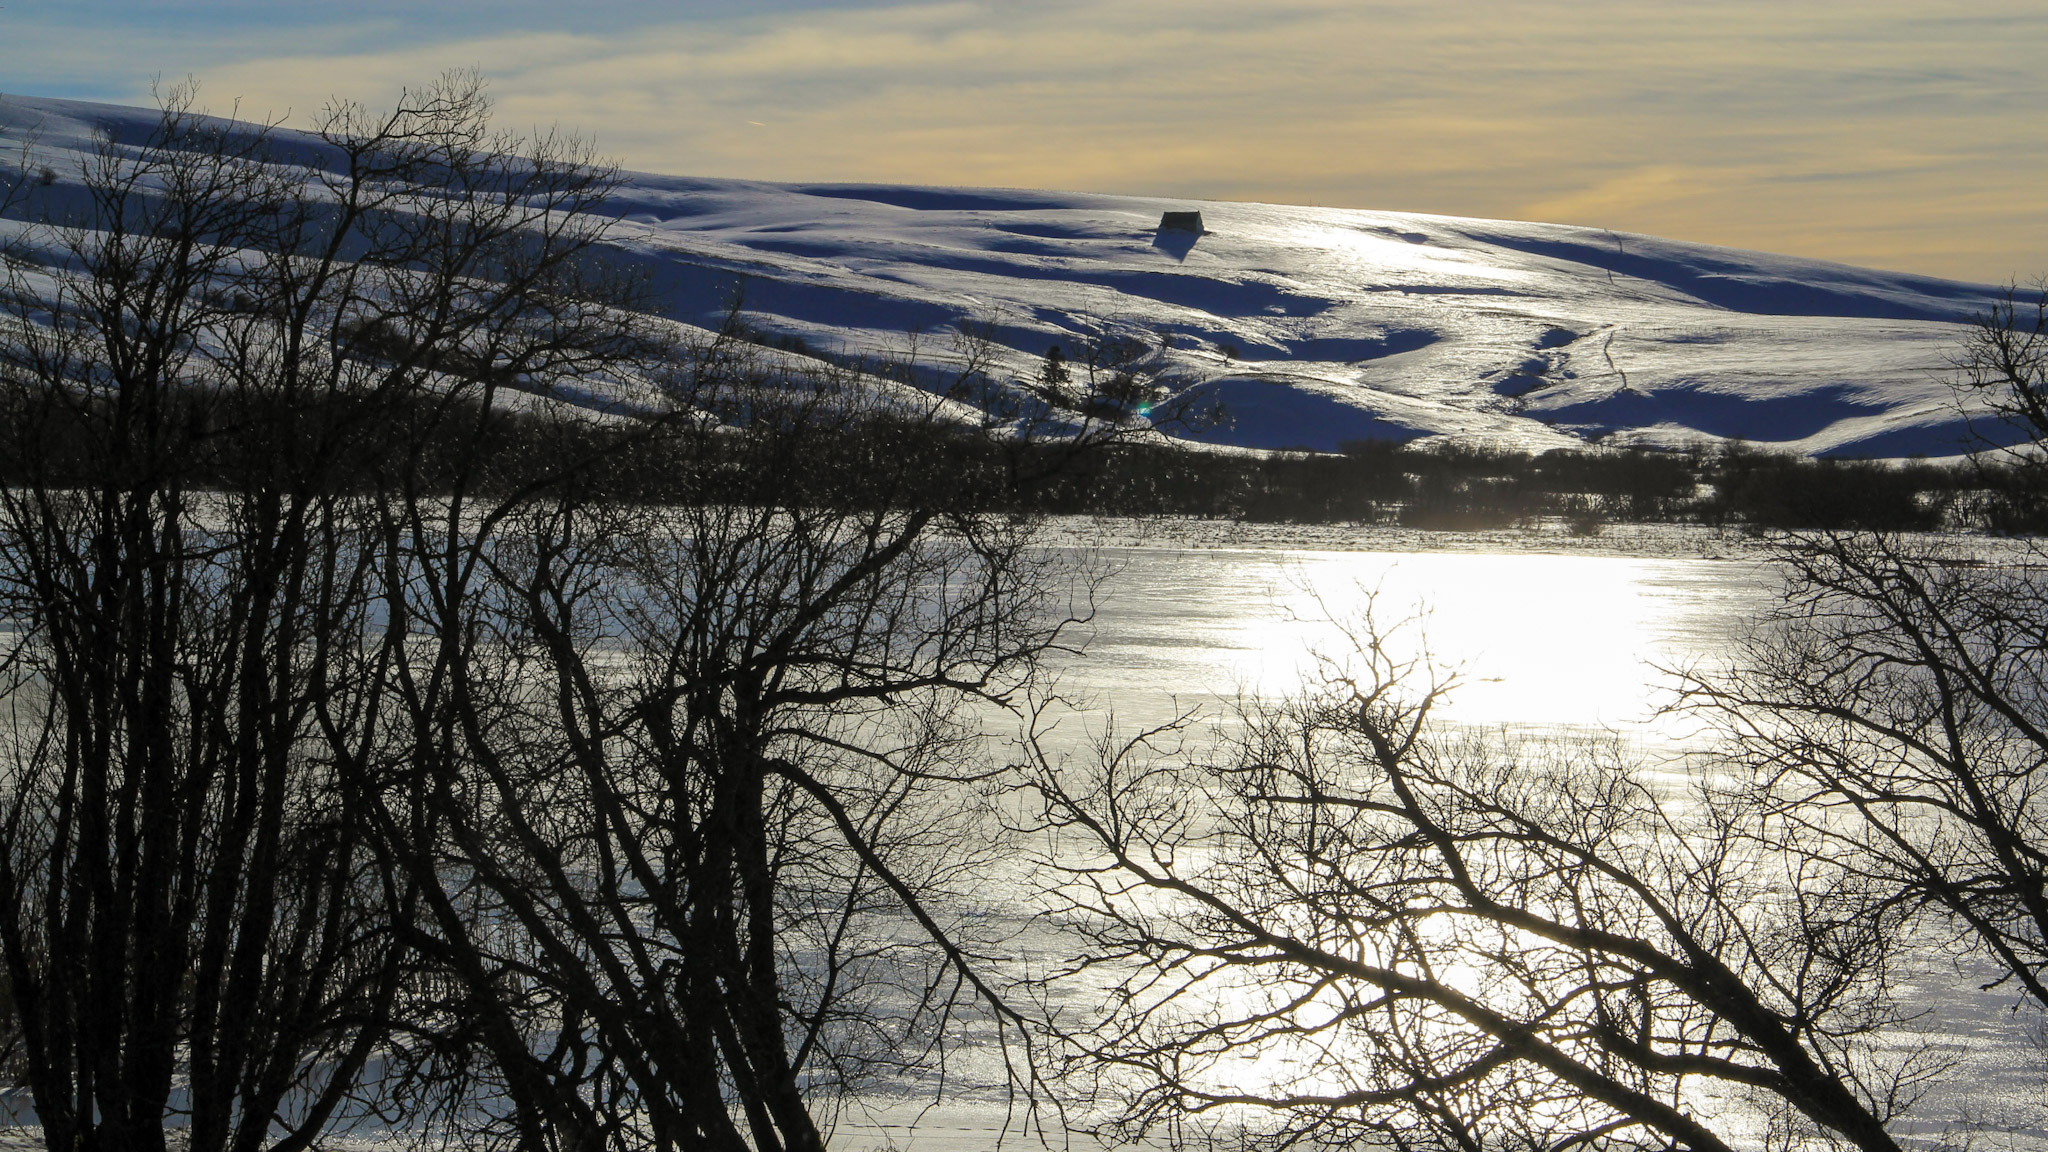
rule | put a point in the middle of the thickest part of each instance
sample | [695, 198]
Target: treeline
[881, 459]
[1460, 487]
[884, 460]
[907, 462]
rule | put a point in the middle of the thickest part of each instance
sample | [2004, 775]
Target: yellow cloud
[1658, 187]
[1890, 133]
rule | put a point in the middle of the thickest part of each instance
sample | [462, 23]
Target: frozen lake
[1568, 643]
[1541, 641]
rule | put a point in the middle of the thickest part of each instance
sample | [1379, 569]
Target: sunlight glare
[1534, 640]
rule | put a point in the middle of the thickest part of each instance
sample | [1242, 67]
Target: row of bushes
[885, 461]
[1465, 488]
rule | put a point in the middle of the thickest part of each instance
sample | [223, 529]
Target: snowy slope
[1312, 325]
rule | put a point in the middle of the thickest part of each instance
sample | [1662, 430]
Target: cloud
[1889, 133]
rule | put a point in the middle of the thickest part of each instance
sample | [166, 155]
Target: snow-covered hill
[1313, 326]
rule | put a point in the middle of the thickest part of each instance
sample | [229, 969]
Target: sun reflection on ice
[1533, 640]
[1537, 640]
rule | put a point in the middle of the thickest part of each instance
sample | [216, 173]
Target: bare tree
[1897, 704]
[1357, 929]
[685, 769]
[578, 781]
[205, 383]
[2004, 361]
[1896, 712]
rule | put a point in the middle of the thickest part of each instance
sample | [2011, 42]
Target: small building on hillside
[1181, 222]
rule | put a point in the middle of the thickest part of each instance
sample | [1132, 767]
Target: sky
[1901, 134]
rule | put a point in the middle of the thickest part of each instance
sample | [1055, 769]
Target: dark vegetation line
[916, 462]
[1379, 482]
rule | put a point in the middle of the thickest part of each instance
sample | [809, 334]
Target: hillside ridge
[1311, 326]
